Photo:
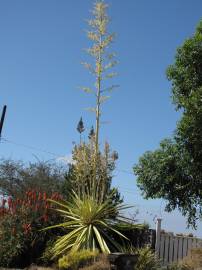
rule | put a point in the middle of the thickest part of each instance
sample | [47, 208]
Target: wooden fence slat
[199, 243]
[158, 236]
[184, 247]
[162, 244]
[194, 243]
[175, 249]
[180, 248]
[171, 247]
[166, 250]
[190, 240]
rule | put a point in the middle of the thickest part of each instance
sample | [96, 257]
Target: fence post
[158, 236]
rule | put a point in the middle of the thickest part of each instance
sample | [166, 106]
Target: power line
[31, 147]
[124, 190]
[128, 190]
[124, 171]
[48, 152]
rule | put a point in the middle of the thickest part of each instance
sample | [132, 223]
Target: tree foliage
[174, 171]
[17, 177]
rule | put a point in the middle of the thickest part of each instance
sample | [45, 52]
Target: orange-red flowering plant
[21, 220]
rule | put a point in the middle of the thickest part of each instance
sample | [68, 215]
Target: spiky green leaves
[88, 224]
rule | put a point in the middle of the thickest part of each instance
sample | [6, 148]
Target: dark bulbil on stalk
[80, 127]
[91, 134]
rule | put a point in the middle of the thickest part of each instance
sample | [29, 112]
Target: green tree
[17, 177]
[103, 61]
[174, 171]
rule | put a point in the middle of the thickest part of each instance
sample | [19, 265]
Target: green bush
[73, 260]
[21, 241]
[146, 260]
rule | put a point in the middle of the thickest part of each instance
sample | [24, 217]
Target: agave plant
[88, 225]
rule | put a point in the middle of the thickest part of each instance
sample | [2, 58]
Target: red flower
[45, 218]
[40, 197]
[27, 228]
[44, 196]
[37, 207]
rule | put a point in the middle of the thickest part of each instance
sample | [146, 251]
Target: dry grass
[101, 263]
[35, 267]
[192, 262]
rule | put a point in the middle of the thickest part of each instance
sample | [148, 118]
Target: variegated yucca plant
[88, 224]
[91, 215]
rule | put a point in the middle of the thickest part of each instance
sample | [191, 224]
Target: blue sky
[41, 49]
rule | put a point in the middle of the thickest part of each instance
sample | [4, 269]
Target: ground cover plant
[75, 260]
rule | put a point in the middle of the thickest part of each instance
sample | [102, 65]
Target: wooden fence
[171, 248]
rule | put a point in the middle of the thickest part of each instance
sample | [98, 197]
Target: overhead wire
[30, 147]
[46, 151]
[124, 190]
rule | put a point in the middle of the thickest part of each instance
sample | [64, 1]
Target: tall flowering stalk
[103, 62]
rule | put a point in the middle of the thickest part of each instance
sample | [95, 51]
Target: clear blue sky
[41, 49]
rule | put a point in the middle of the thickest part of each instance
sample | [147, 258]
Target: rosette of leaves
[88, 224]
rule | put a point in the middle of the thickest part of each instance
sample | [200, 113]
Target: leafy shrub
[20, 221]
[75, 259]
[139, 236]
[17, 177]
[146, 260]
